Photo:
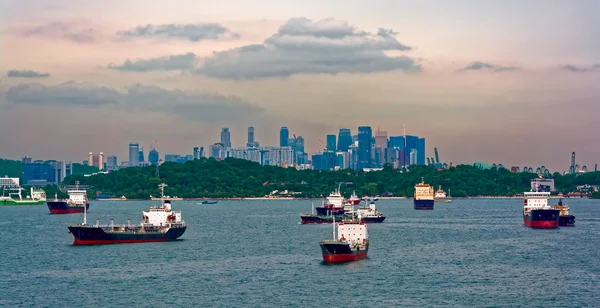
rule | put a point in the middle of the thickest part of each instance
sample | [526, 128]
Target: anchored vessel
[37, 197]
[354, 199]
[565, 219]
[350, 244]
[159, 224]
[209, 202]
[423, 196]
[77, 202]
[334, 205]
[370, 214]
[537, 213]
[440, 195]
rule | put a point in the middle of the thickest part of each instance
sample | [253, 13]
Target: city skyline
[498, 82]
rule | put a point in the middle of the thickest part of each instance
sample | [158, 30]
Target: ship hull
[566, 221]
[24, 202]
[341, 253]
[423, 204]
[542, 219]
[308, 219]
[325, 211]
[62, 207]
[90, 235]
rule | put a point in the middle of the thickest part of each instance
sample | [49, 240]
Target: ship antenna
[333, 227]
[85, 214]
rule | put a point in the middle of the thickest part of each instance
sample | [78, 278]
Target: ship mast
[85, 213]
[162, 194]
[333, 227]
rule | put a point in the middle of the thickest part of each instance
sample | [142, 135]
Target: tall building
[413, 156]
[421, 151]
[96, 160]
[42, 173]
[134, 154]
[225, 137]
[299, 144]
[217, 151]
[344, 139]
[153, 156]
[284, 135]
[250, 137]
[141, 155]
[365, 135]
[378, 157]
[111, 162]
[381, 139]
[26, 160]
[197, 153]
[331, 145]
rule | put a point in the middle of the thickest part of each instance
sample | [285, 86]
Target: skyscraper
[284, 135]
[134, 154]
[96, 160]
[344, 139]
[421, 151]
[226, 137]
[111, 162]
[153, 156]
[331, 146]
[250, 137]
[365, 135]
[196, 153]
[381, 139]
[141, 155]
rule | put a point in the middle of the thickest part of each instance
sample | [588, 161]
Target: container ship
[37, 197]
[77, 202]
[424, 196]
[565, 219]
[159, 224]
[537, 213]
[350, 244]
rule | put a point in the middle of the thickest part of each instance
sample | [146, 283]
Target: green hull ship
[38, 197]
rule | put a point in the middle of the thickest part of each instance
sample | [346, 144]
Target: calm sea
[467, 253]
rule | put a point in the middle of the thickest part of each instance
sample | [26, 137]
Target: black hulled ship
[77, 202]
[159, 224]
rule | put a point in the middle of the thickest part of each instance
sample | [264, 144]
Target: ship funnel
[97, 222]
[112, 222]
[129, 222]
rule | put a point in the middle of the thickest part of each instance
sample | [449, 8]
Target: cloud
[168, 63]
[580, 69]
[195, 106]
[302, 46]
[26, 74]
[483, 66]
[62, 30]
[191, 32]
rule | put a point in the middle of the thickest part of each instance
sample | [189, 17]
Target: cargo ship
[424, 197]
[313, 218]
[77, 202]
[37, 197]
[440, 195]
[565, 219]
[354, 199]
[334, 204]
[350, 244]
[370, 214]
[537, 213]
[159, 224]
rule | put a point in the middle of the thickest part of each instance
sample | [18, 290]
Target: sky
[510, 82]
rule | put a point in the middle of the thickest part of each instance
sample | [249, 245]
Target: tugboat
[440, 195]
[159, 224]
[350, 244]
[565, 219]
[423, 196]
[77, 202]
[537, 213]
[370, 214]
[335, 204]
[354, 199]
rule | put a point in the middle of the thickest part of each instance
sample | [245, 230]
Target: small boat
[565, 219]
[440, 195]
[209, 202]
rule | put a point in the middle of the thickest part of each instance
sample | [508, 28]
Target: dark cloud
[482, 66]
[191, 32]
[302, 46]
[195, 106]
[167, 63]
[580, 69]
[63, 30]
[26, 74]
